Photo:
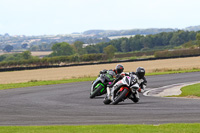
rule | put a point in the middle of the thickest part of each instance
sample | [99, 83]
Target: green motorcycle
[99, 86]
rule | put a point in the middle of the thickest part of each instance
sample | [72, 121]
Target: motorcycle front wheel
[120, 96]
[96, 91]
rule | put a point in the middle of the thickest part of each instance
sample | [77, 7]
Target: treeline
[143, 43]
[164, 40]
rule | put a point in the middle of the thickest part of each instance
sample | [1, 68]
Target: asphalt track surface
[69, 104]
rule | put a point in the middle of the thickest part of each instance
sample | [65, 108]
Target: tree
[8, 48]
[91, 49]
[26, 55]
[2, 57]
[198, 39]
[78, 47]
[62, 49]
[78, 44]
[135, 42]
[45, 47]
[24, 45]
[125, 45]
[110, 51]
[34, 48]
[188, 45]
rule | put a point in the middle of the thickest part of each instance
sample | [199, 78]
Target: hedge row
[52, 60]
[177, 53]
[134, 54]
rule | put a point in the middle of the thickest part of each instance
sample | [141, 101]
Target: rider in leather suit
[119, 75]
[139, 74]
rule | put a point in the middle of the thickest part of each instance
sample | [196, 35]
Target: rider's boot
[107, 99]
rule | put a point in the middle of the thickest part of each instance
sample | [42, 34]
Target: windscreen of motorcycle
[133, 80]
[126, 80]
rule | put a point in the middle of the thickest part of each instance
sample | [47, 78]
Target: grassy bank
[190, 91]
[81, 79]
[164, 128]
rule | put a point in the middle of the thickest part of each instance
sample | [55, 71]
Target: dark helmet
[140, 72]
[112, 73]
[119, 68]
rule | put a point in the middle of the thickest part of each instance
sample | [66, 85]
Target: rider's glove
[103, 71]
[140, 90]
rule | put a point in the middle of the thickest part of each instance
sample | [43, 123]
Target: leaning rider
[118, 70]
[119, 75]
[140, 73]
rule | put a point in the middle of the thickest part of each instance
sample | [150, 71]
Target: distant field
[93, 70]
[41, 53]
[35, 53]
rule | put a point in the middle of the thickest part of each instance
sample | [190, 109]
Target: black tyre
[107, 101]
[135, 99]
[96, 91]
[120, 97]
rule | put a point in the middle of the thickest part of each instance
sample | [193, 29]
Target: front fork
[137, 94]
[134, 93]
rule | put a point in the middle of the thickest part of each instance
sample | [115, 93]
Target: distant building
[84, 45]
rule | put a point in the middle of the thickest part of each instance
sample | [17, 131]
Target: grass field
[163, 128]
[93, 70]
[191, 91]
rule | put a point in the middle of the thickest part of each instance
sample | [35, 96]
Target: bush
[91, 57]
[173, 53]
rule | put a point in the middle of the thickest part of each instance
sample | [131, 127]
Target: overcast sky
[51, 17]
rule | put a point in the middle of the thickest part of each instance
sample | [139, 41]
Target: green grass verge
[164, 128]
[81, 79]
[39, 83]
[171, 71]
[190, 90]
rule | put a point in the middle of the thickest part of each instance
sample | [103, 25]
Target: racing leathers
[142, 83]
[109, 87]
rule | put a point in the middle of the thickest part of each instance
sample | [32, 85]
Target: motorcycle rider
[140, 76]
[140, 73]
[119, 75]
[98, 86]
[118, 69]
